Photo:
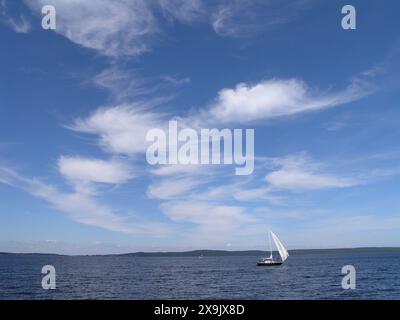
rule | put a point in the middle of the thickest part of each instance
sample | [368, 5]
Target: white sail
[282, 251]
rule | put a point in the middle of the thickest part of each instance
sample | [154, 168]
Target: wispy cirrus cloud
[240, 18]
[20, 24]
[240, 192]
[84, 207]
[113, 28]
[121, 84]
[183, 170]
[176, 81]
[78, 206]
[130, 27]
[120, 27]
[185, 11]
[204, 213]
[172, 188]
[124, 85]
[300, 180]
[299, 173]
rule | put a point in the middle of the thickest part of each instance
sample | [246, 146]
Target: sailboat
[283, 253]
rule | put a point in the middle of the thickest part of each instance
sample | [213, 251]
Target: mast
[270, 246]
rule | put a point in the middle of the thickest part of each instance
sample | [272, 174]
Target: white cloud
[296, 179]
[256, 194]
[298, 173]
[224, 20]
[118, 27]
[238, 18]
[275, 98]
[339, 122]
[224, 192]
[180, 169]
[204, 213]
[84, 208]
[79, 207]
[129, 85]
[176, 81]
[121, 83]
[236, 191]
[113, 28]
[121, 129]
[78, 169]
[128, 27]
[19, 24]
[173, 188]
[186, 11]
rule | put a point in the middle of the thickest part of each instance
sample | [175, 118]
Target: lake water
[304, 276]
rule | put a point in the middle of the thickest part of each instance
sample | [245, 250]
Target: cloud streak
[206, 214]
[129, 27]
[19, 24]
[85, 208]
[244, 18]
[173, 188]
[79, 207]
[298, 173]
[280, 97]
[84, 171]
[113, 28]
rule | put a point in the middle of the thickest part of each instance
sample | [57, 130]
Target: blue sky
[76, 103]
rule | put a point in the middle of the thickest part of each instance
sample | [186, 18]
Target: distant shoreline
[214, 253]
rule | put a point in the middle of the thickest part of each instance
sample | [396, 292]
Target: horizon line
[196, 250]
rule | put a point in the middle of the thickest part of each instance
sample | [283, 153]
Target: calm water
[306, 276]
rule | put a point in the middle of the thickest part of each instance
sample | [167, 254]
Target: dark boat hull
[268, 264]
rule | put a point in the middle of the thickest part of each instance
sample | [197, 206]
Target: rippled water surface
[304, 276]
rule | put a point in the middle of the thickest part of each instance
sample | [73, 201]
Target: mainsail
[282, 251]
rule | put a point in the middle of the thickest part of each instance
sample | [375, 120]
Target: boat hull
[268, 263]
